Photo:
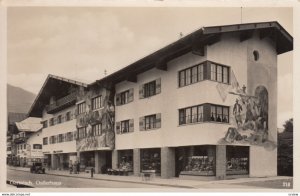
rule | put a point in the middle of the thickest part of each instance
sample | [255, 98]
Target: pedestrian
[78, 167]
[70, 167]
[92, 172]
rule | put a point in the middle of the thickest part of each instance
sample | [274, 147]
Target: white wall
[69, 126]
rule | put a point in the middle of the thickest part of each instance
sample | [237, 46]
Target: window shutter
[158, 86]
[118, 127]
[131, 125]
[118, 99]
[54, 120]
[158, 120]
[130, 95]
[142, 123]
[141, 91]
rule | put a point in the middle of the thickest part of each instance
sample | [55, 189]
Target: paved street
[42, 181]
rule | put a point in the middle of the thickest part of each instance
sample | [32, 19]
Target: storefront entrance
[125, 160]
[237, 160]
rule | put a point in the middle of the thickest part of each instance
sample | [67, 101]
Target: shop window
[237, 160]
[45, 141]
[37, 146]
[150, 160]
[97, 129]
[81, 108]
[96, 102]
[196, 160]
[150, 89]
[191, 75]
[125, 160]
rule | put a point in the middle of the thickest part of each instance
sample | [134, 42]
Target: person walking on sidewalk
[78, 167]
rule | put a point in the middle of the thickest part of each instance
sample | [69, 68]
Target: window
[149, 89]
[151, 159]
[219, 73]
[255, 55]
[82, 132]
[191, 75]
[37, 146]
[69, 136]
[219, 113]
[59, 119]
[191, 115]
[45, 141]
[125, 126]
[124, 97]
[81, 108]
[97, 129]
[60, 138]
[51, 122]
[68, 116]
[45, 124]
[52, 139]
[96, 102]
[150, 122]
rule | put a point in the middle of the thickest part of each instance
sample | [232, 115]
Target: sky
[81, 42]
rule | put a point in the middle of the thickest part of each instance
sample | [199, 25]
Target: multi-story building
[56, 106]
[28, 141]
[204, 107]
[11, 129]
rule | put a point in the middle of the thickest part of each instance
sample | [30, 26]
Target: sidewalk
[173, 182]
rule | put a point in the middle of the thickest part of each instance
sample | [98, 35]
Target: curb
[134, 182]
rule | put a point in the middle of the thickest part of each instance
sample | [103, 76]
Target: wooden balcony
[61, 103]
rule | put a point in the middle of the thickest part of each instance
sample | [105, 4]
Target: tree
[288, 126]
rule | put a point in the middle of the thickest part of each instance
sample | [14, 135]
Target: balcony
[61, 103]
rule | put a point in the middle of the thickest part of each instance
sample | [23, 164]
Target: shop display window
[150, 160]
[126, 160]
[199, 160]
[237, 160]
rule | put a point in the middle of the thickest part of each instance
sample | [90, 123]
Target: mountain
[18, 99]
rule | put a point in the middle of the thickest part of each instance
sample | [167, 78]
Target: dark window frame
[97, 129]
[97, 102]
[81, 107]
[151, 124]
[150, 89]
[193, 77]
[124, 126]
[45, 141]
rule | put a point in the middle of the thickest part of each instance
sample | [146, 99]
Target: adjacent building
[202, 107]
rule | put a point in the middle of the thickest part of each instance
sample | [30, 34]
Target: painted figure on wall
[104, 137]
[250, 115]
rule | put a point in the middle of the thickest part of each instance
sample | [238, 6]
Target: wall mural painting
[103, 116]
[250, 119]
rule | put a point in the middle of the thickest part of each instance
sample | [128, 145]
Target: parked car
[37, 168]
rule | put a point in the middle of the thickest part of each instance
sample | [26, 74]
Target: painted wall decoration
[249, 118]
[103, 116]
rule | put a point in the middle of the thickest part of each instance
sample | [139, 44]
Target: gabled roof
[30, 124]
[53, 86]
[203, 36]
[15, 117]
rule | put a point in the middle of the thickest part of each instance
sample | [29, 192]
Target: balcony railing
[61, 103]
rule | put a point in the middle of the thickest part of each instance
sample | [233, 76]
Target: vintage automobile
[37, 168]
